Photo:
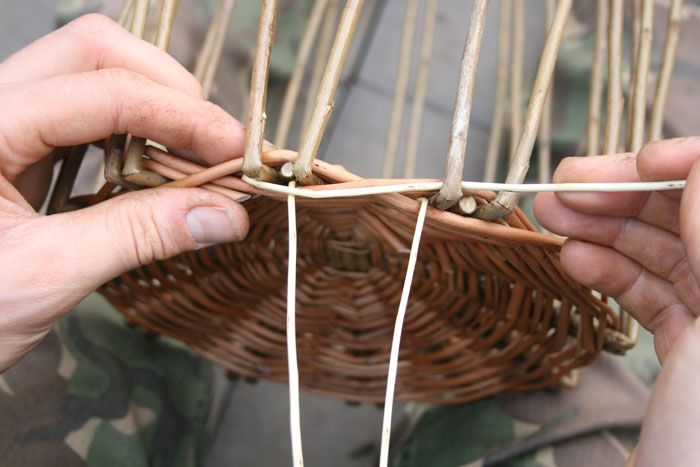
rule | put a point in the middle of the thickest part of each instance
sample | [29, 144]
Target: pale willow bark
[431, 11]
[506, 200]
[499, 106]
[291, 94]
[451, 191]
[210, 56]
[402, 75]
[255, 131]
[636, 12]
[597, 73]
[324, 101]
[664, 81]
[322, 50]
[639, 105]
[516, 77]
[613, 121]
[544, 174]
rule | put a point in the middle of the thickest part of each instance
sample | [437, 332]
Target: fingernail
[209, 225]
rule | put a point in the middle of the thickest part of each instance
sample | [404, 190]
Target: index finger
[669, 159]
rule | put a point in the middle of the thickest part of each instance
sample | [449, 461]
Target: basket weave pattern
[490, 308]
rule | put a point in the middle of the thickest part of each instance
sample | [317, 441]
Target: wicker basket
[490, 308]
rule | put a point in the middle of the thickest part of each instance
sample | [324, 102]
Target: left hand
[82, 83]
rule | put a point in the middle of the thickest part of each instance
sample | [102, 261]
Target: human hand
[642, 249]
[79, 84]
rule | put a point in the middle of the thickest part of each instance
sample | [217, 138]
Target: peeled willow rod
[505, 201]
[291, 94]
[292, 364]
[499, 105]
[396, 336]
[402, 75]
[516, 76]
[663, 82]
[613, 121]
[597, 71]
[431, 10]
[255, 130]
[451, 192]
[544, 138]
[322, 50]
[639, 106]
[324, 101]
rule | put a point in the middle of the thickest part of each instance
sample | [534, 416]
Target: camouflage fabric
[96, 392]
[596, 423]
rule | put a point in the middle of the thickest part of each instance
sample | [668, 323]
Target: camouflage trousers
[97, 392]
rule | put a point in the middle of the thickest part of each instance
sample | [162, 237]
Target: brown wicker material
[490, 308]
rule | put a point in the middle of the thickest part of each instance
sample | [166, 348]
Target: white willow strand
[294, 409]
[396, 341]
[435, 186]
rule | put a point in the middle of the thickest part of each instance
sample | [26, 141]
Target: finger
[670, 159]
[650, 299]
[57, 260]
[669, 435]
[655, 208]
[74, 109]
[655, 249]
[690, 220]
[94, 42]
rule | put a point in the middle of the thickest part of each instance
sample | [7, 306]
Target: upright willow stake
[133, 168]
[324, 101]
[294, 87]
[613, 120]
[210, 56]
[545, 132]
[506, 200]
[664, 81]
[126, 14]
[322, 50]
[641, 77]
[431, 10]
[499, 106]
[597, 71]
[451, 192]
[402, 75]
[636, 124]
[636, 10]
[516, 76]
[255, 132]
[125, 18]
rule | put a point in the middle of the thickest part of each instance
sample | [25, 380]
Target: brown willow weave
[490, 308]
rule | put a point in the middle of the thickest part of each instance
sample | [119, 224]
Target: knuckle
[121, 76]
[92, 23]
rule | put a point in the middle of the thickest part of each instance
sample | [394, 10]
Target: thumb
[51, 263]
[91, 246]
